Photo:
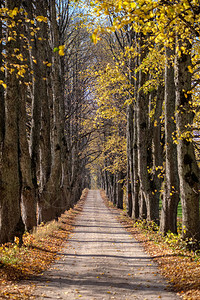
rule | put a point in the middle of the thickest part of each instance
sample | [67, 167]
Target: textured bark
[50, 204]
[129, 131]
[135, 183]
[28, 193]
[171, 185]
[43, 55]
[130, 178]
[111, 184]
[142, 206]
[10, 214]
[120, 190]
[115, 190]
[129, 196]
[155, 159]
[143, 146]
[187, 165]
[2, 105]
[37, 81]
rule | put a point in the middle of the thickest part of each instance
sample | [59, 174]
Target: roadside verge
[180, 267]
[36, 255]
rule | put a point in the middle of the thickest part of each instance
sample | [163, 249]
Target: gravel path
[102, 261]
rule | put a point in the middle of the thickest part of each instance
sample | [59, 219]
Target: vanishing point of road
[101, 260]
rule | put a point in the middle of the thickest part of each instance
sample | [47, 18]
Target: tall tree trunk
[120, 190]
[156, 158]
[37, 81]
[142, 206]
[187, 166]
[171, 185]
[135, 177]
[143, 144]
[129, 132]
[135, 182]
[129, 192]
[129, 158]
[28, 193]
[2, 104]
[44, 56]
[10, 189]
[50, 201]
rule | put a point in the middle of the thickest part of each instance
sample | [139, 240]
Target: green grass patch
[179, 209]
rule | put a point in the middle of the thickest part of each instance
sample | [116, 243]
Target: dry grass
[44, 230]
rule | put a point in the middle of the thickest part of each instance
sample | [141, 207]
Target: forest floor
[99, 260]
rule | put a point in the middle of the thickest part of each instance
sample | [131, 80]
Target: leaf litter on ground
[180, 267]
[38, 251]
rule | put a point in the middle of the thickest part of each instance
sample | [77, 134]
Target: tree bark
[171, 185]
[129, 131]
[187, 166]
[2, 104]
[28, 192]
[50, 204]
[120, 192]
[143, 143]
[135, 182]
[45, 138]
[10, 213]
[37, 82]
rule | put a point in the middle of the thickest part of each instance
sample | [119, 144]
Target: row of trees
[153, 72]
[126, 107]
[43, 106]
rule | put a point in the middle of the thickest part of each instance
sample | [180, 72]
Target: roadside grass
[179, 209]
[38, 251]
[180, 266]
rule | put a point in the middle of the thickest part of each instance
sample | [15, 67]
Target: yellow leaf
[133, 5]
[94, 38]
[49, 65]
[41, 19]
[61, 50]
[13, 13]
[10, 39]
[2, 83]
[190, 69]
[21, 72]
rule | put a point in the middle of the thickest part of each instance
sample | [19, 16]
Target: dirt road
[102, 261]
